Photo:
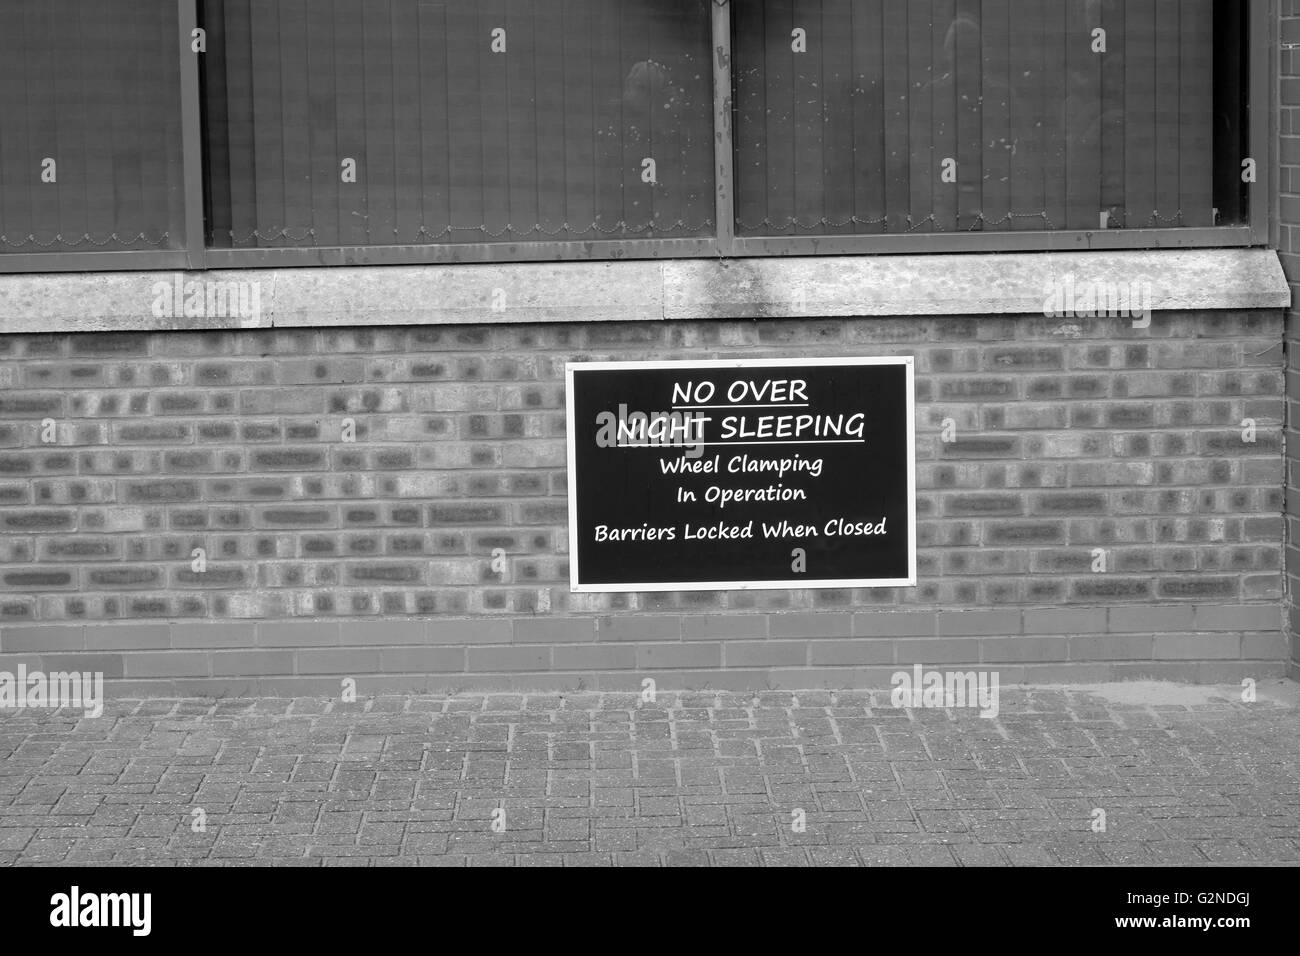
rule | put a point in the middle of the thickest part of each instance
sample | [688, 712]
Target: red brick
[1039, 621]
[168, 664]
[1111, 647]
[1071, 673]
[457, 631]
[850, 653]
[594, 657]
[554, 630]
[436, 660]
[1002, 622]
[1150, 620]
[213, 634]
[110, 665]
[810, 625]
[251, 663]
[724, 627]
[895, 624]
[1267, 647]
[1238, 617]
[491, 659]
[627, 627]
[297, 633]
[1195, 647]
[765, 653]
[938, 651]
[47, 637]
[337, 660]
[997, 650]
[123, 637]
[693, 654]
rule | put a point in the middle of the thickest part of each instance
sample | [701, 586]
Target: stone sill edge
[900, 286]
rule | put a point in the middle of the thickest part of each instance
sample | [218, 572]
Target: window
[226, 133]
[395, 122]
[90, 140]
[976, 115]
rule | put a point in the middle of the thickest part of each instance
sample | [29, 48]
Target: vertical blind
[90, 143]
[1043, 114]
[464, 121]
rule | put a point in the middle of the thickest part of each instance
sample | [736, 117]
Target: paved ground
[1184, 775]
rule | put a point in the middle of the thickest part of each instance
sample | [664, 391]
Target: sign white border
[909, 364]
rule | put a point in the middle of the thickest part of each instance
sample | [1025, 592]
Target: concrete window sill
[629, 291]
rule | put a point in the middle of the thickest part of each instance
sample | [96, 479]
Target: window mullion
[191, 136]
[722, 146]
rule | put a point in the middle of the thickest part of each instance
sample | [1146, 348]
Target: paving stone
[697, 779]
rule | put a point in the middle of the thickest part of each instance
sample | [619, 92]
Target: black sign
[723, 475]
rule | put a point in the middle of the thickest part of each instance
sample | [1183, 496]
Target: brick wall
[373, 559]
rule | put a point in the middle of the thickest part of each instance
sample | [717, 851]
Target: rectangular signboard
[741, 474]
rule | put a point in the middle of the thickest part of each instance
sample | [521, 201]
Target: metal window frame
[452, 253]
[1262, 112]
[196, 255]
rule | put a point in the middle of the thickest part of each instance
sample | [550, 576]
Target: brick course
[1076, 439]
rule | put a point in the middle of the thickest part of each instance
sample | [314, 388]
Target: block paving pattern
[705, 778]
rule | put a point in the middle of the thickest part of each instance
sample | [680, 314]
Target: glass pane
[899, 116]
[374, 122]
[90, 131]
